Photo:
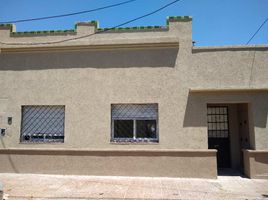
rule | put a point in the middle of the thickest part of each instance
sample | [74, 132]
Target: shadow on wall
[195, 112]
[196, 108]
[261, 111]
[89, 59]
[262, 158]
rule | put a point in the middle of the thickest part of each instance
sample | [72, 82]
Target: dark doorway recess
[218, 134]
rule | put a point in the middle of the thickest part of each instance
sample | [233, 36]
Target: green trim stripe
[96, 25]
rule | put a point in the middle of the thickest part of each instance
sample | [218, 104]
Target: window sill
[42, 142]
[135, 141]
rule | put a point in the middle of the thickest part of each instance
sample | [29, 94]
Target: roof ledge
[95, 25]
[211, 90]
[230, 48]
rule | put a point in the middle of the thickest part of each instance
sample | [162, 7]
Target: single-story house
[138, 101]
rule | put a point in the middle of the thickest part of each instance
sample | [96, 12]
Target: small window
[134, 123]
[42, 124]
[217, 120]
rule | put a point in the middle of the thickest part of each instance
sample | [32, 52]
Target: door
[218, 134]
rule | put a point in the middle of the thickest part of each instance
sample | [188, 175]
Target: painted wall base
[256, 163]
[152, 163]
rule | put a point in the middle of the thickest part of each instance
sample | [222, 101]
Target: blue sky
[215, 22]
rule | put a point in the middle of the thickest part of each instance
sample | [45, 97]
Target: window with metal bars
[134, 123]
[217, 119]
[42, 123]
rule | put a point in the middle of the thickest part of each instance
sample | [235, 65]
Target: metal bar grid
[141, 120]
[42, 123]
[218, 122]
[134, 111]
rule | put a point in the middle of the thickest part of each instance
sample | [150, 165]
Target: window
[217, 118]
[42, 124]
[134, 123]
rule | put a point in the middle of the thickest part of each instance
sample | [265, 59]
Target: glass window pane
[134, 120]
[146, 128]
[123, 128]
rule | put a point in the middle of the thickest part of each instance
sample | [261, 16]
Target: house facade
[140, 101]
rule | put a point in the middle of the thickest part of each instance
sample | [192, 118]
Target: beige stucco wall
[161, 163]
[256, 163]
[88, 94]
[88, 80]
[257, 111]
[234, 68]
[175, 31]
[87, 84]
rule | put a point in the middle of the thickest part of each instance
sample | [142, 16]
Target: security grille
[134, 122]
[42, 124]
[134, 111]
[217, 119]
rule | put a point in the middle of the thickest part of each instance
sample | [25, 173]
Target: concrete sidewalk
[56, 187]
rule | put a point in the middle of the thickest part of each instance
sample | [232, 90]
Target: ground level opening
[229, 132]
